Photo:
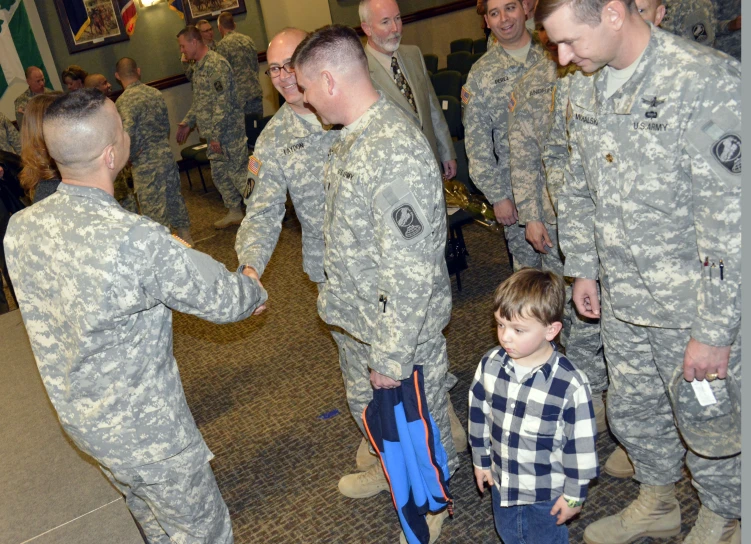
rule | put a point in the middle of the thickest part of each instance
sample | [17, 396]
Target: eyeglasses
[275, 71]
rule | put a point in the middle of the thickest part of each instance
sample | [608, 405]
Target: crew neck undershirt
[520, 55]
[618, 78]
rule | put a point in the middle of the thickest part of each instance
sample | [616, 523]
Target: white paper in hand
[703, 392]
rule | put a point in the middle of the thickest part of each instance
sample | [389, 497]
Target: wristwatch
[573, 503]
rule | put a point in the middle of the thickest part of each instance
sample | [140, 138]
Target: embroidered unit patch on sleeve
[727, 151]
[407, 221]
[183, 242]
[218, 86]
[254, 165]
[466, 95]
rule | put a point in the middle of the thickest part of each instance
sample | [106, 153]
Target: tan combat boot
[234, 217]
[458, 434]
[655, 513]
[600, 415]
[364, 459]
[362, 485]
[184, 235]
[435, 524]
[713, 529]
[618, 464]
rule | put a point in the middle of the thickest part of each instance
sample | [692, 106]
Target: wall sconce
[148, 3]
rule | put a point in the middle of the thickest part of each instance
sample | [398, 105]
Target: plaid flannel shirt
[537, 437]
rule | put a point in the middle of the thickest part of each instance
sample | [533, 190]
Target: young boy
[531, 423]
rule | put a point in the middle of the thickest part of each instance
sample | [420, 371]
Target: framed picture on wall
[90, 23]
[195, 10]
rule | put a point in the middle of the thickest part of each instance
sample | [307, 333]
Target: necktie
[401, 82]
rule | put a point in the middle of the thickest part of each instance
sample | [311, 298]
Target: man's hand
[702, 359]
[253, 273]
[215, 147]
[379, 381]
[538, 236]
[505, 212]
[564, 511]
[2, 172]
[183, 130]
[483, 476]
[449, 169]
[585, 298]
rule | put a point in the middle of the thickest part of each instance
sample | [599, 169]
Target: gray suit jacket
[429, 114]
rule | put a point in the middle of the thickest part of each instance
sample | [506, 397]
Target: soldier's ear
[109, 156]
[328, 78]
[614, 13]
[659, 15]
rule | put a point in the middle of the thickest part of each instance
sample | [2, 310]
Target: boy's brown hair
[531, 293]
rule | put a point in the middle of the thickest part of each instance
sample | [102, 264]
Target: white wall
[434, 35]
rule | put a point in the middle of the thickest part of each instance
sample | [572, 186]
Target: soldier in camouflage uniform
[384, 228]
[10, 139]
[486, 97]
[218, 115]
[101, 332]
[207, 37]
[691, 19]
[652, 189]
[240, 52]
[155, 175]
[288, 157]
[35, 79]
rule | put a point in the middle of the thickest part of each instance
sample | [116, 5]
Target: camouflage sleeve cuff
[713, 334]
[528, 211]
[581, 268]
[388, 367]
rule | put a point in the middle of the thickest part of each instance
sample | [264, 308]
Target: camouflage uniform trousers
[157, 184]
[229, 171]
[641, 361]
[254, 105]
[580, 336]
[186, 510]
[432, 355]
[522, 252]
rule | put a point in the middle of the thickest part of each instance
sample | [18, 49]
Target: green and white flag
[22, 44]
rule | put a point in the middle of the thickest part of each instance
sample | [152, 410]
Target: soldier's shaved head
[35, 79]
[126, 67]
[78, 127]
[335, 47]
[98, 81]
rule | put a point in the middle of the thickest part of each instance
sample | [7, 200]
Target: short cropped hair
[482, 6]
[126, 67]
[75, 73]
[190, 32]
[588, 12]
[30, 70]
[74, 112]
[531, 293]
[336, 44]
[226, 21]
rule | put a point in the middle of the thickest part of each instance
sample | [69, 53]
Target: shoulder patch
[218, 86]
[466, 95]
[254, 165]
[407, 221]
[727, 151]
[699, 32]
[512, 102]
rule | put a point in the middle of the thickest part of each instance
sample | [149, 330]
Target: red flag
[129, 15]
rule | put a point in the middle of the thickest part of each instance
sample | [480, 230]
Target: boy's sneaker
[435, 524]
[713, 529]
[364, 459]
[362, 485]
[655, 513]
[618, 464]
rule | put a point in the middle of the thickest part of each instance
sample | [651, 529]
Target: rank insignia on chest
[512, 103]
[407, 222]
[652, 102]
[727, 150]
[466, 95]
[218, 86]
[254, 165]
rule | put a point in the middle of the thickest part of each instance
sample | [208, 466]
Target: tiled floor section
[258, 388]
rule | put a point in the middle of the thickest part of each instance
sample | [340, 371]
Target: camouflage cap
[709, 431]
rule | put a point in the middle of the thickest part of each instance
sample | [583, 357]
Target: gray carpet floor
[259, 390]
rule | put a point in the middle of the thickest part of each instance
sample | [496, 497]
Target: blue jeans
[527, 523]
